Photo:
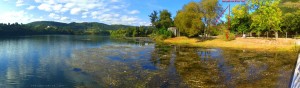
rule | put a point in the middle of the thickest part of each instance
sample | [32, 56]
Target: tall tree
[153, 18]
[210, 9]
[267, 16]
[165, 20]
[188, 20]
[291, 22]
[287, 24]
[240, 20]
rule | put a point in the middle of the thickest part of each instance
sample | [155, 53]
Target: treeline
[267, 18]
[161, 21]
[254, 17]
[142, 31]
[16, 29]
[50, 27]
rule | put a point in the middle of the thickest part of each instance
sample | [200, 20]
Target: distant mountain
[77, 26]
[51, 27]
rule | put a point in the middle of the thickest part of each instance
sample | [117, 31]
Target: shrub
[161, 34]
[118, 33]
[227, 35]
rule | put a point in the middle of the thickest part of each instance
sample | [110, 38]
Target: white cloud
[105, 11]
[64, 10]
[54, 16]
[115, 1]
[17, 16]
[134, 12]
[92, 6]
[115, 18]
[57, 7]
[38, 1]
[19, 3]
[45, 7]
[129, 19]
[30, 7]
[46, 1]
[64, 18]
[69, 5]
[75, 11]
[84, 14]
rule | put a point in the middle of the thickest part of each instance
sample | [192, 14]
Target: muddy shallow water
[65, 61]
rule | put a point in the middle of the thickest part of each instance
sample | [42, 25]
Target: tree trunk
[244, 35]
[276, 35]
[267, 34]
[178, 34]
[250, 34]
[286, 34]
[204, 33]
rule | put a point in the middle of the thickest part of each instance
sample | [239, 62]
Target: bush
[227, 35]
[118, 33]
[161, 34]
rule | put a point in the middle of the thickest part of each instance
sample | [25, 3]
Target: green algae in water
[175, 66]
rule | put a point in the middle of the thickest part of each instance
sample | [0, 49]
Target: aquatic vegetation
[234, 68]
[115, 66]
[181, 66]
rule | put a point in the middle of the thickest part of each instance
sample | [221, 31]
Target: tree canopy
[241, 19]
[153, 18]
[197, 18]
[188, 20]
[210, 10]
[165, 20]
[267, 17]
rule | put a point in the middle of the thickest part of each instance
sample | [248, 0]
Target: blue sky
[127, 12]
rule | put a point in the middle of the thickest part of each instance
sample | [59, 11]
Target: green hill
[51, 27]
[77, 26]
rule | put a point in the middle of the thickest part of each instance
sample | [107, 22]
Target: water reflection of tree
[199, 67]
[260, 69]
[181, 66]
[196, 67]
[164, 57]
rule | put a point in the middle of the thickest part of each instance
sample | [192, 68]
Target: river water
[80, 61]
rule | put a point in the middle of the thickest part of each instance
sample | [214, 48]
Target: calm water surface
[67, 61]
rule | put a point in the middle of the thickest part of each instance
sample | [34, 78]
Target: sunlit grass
[239, 43]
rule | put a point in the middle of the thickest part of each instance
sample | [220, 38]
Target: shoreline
[259, 44]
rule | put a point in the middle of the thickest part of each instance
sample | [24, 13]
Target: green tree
[165, 20]
[188, 20]
[134, 33]
[267, 17]
[153, 18]
[287, 23]
[210, 10]
[240, 21]
[291, 22]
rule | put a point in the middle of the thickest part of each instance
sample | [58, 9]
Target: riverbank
[139, 39]
[260, 44]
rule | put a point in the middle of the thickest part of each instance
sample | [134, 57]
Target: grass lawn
[261, 44]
